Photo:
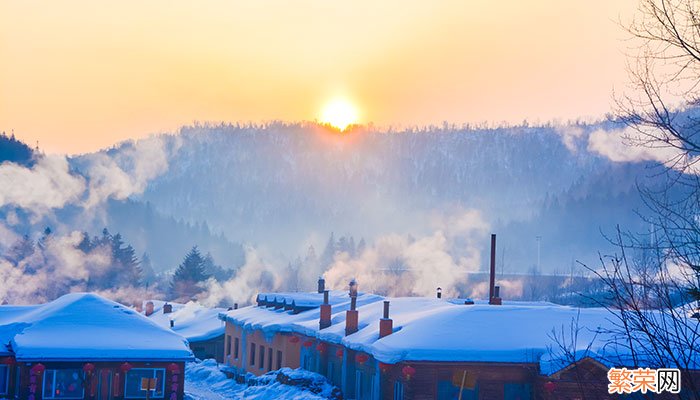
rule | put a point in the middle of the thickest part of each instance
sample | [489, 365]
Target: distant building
[198, 324]
[83, 346]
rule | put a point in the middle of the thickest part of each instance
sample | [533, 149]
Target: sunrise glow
[340, 114]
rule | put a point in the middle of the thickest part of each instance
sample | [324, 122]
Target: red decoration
[38, 369]
[174, 368]
[339, 353]
[88, 368]
[408, 371]
[126, 367]
[7, 360]
[384, 366]
[361, 358]
[550, 386]
[308, 343]
[321, 347]
[294, 339]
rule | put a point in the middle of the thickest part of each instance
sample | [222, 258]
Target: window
[63, 384]
[235, 348]
[398, 390]
[4, 379]
[279, 359]
[132, 387]
[262, 357]
[252, 354]
[269, 359]
[228, 345]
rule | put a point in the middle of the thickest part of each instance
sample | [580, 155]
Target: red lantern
[550, 386]
[38, 369]
[384, 366]
[361, 358]
[408, 371]
[308, 343]
[126, 367]
[339, 353]
[294, 339]
[7, 360]
[321, 347]
[88, 368]
[174, 368]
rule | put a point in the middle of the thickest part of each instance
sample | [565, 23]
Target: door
[104, 388]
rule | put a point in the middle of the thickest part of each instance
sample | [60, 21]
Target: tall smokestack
[494, 292]
[321, 284]
[492, 277]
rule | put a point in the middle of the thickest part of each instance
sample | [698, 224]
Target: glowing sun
[339, 113]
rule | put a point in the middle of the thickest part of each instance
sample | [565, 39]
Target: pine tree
[329, 252]
[189, 274]
[149, 274]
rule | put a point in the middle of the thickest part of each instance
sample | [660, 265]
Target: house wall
[106, 382]
[444, 380]
[284, 353]
[212, 348]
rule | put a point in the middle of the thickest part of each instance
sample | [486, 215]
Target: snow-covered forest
[274, 206]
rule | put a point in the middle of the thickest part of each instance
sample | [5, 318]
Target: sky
[81, 75]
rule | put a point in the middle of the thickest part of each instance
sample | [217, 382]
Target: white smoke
[59, 266]
[47, 185]
[255, 276]
[402, 266]
[632, 145]
[126, 173]
[569, 135]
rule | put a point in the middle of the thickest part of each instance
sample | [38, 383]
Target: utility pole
[539, 241]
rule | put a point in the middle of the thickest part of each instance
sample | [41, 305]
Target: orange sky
[81, 75]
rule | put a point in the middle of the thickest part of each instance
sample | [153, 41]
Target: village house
[200, 325]
[426, 348]
[83, 346]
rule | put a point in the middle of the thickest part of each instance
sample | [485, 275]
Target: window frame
[279, 359]
[155, 392]
[236, 346]
[252, 355]
[53, 372]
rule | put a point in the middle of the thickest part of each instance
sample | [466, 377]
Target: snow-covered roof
[85, 326]
[192, 321]
[430, 329]
[271, 320]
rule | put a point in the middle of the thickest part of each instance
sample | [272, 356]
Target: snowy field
[204, 381]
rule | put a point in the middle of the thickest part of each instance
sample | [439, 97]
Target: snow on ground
[204, 381]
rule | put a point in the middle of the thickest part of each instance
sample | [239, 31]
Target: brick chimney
[321, 284]
[351, 315]
[149, 308]
[325, 320]
[494, 298]
[439, 293]
[386, 324]
[167, 308]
